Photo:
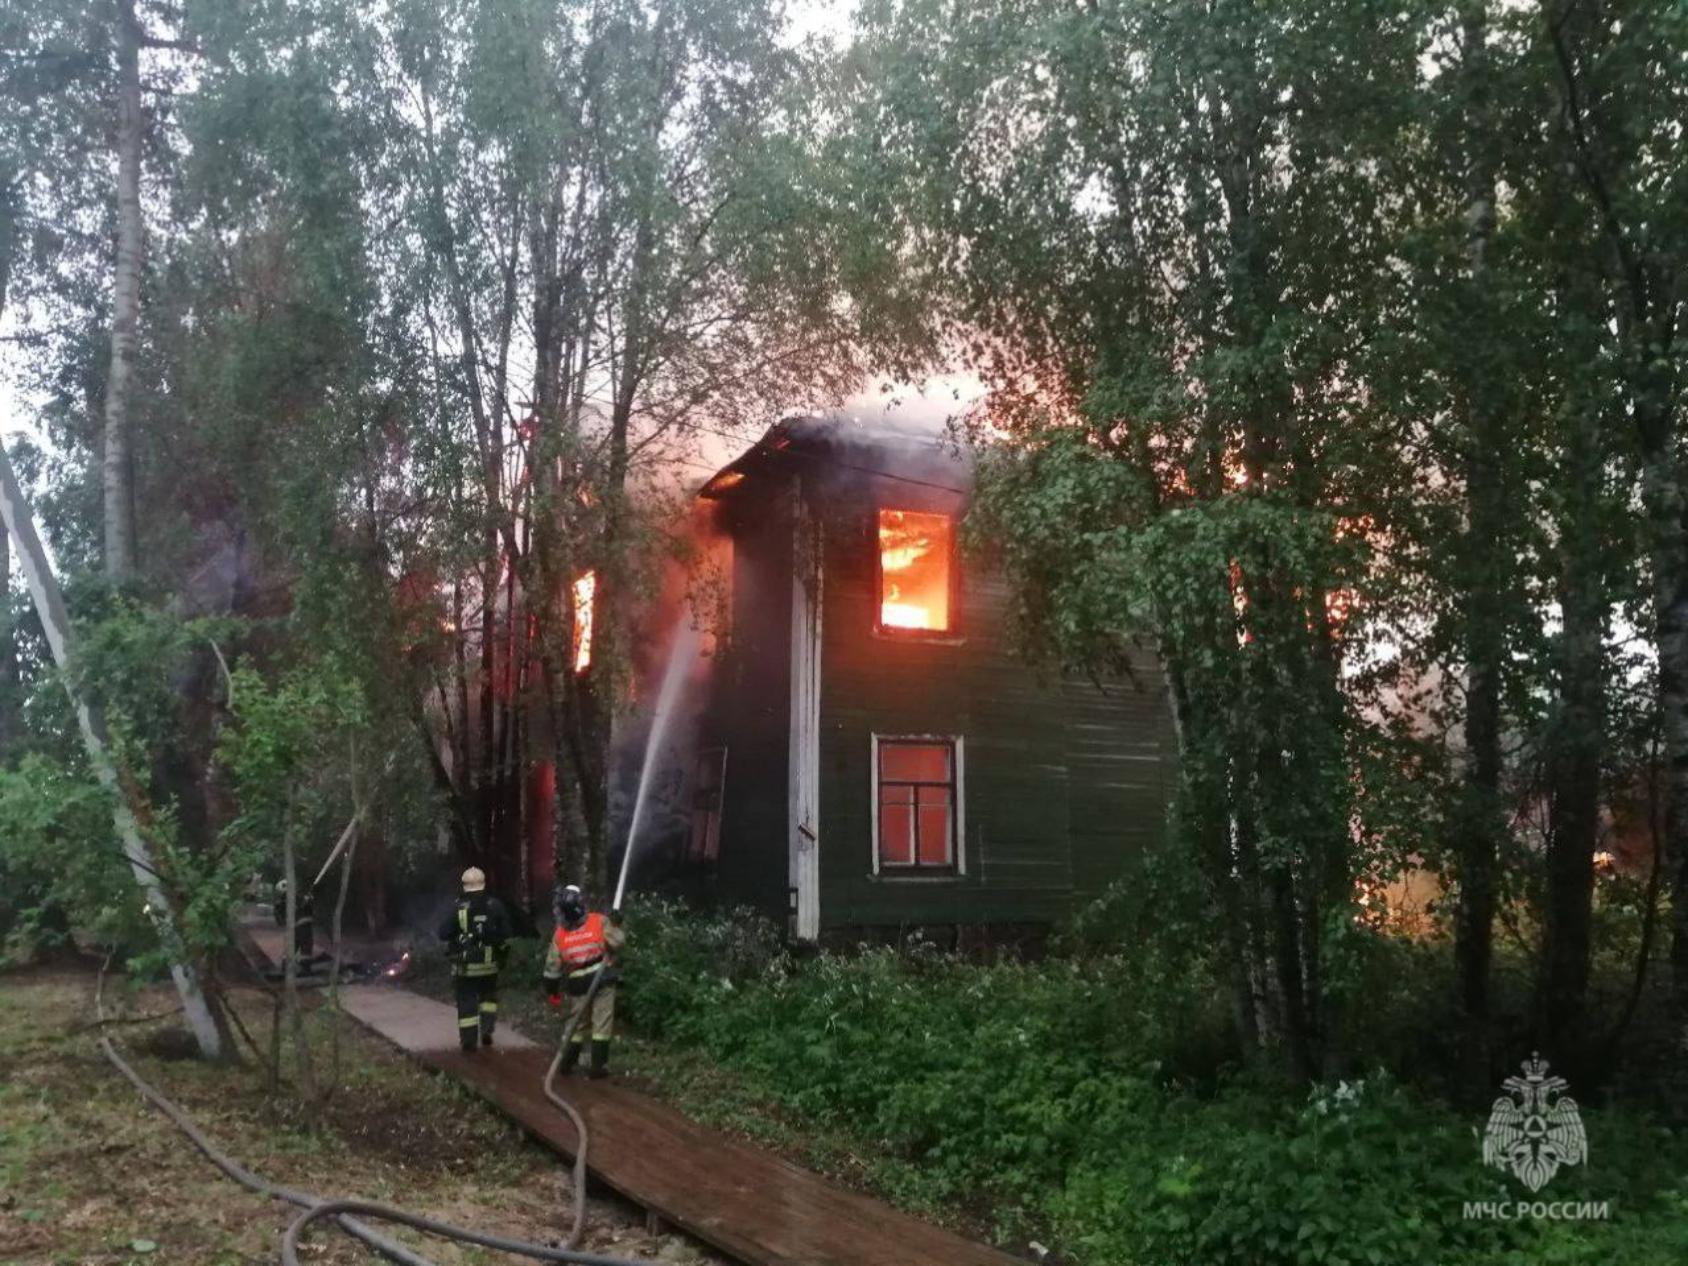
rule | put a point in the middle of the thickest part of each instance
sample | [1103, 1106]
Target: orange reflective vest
[582, 947]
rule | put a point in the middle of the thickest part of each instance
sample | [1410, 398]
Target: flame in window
[584, 589]
[914, 570]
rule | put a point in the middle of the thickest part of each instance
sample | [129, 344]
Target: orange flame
[584, 589]
[914, 567]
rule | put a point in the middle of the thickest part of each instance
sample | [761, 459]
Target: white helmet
[474, 880]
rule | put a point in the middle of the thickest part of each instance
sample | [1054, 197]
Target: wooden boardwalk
[749, 1203]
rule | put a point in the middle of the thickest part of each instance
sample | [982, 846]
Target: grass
[91, 1175]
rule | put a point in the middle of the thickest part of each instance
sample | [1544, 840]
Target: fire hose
[562, 1105]
[585, 1009]
[348, 1213]
[317, 1207]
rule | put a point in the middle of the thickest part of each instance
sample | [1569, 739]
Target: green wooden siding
[1064, 783]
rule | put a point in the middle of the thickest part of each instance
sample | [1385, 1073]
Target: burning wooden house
[872, 755]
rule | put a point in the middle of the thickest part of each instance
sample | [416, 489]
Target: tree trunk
[1576, 751]
[1202, 820]
[334, 969]
[118, 463]
[481, 773]
[10, 704]
[460, 805]
[1647, 263]
[1615, 1046]
[1479, 828]
[1662, 492]
[290, 978]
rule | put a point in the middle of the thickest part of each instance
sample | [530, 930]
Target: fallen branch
[125, 1021]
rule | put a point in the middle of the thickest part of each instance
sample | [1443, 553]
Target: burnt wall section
[751, 709]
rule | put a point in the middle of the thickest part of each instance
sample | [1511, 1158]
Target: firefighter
[585, 948]
[476, 935]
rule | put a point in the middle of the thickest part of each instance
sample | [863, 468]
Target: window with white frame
[917, 818]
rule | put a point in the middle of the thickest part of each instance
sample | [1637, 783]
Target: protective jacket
[476, 935]
[581, 952]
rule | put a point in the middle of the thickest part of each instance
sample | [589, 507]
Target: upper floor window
[916, 566]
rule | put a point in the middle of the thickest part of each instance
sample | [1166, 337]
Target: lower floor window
[917, 781]
[709, 781]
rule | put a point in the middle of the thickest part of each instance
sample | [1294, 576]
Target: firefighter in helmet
[585, 948]
[476, 934]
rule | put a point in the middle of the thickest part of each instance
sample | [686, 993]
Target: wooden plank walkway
[747, 1202]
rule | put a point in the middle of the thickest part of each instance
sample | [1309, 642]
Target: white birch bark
[55, 622]
[118, 464]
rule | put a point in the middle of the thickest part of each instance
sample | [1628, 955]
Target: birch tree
[116, 461]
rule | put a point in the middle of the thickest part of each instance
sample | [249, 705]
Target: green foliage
[59, 863]
[1050, 1094]
[287, 762]
[291, 735]
[1318, 342]
[1364, 1173]
[131, 661]
[65, 872]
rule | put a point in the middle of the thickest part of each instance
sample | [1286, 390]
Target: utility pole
[55, 621]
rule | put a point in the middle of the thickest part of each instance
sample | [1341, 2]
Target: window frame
[916, 872]
[714, 812]
[952, 633]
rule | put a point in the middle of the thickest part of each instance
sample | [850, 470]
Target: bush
[61, 869]
[1044, 1094]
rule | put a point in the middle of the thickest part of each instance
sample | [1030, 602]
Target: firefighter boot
[600, 1059]
[571, 1057]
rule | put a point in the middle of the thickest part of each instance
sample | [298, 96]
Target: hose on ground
[316, 1207]
[578, 1223]
[341, 1208]
[388, 1248]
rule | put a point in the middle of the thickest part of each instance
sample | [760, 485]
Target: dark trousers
[477, 1010]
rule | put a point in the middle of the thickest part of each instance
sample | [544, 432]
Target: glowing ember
[914, 569]
[584, 589]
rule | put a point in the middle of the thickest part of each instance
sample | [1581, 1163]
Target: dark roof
[916, 448]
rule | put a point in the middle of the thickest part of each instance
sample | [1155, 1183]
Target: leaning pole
[55, 621]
